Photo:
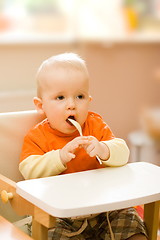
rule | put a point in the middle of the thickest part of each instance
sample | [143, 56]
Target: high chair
[13, 127]
[21, 195]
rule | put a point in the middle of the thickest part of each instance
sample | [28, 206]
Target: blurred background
[120, 41]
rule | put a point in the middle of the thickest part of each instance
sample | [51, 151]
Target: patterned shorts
[121, 223]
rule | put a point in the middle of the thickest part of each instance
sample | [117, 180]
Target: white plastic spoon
[77, 125]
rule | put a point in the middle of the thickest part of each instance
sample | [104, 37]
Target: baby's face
[65, 94]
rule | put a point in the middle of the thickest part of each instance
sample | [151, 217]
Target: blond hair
[65, 60]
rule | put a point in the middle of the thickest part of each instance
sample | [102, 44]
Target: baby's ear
[90, 98]
[38, 104]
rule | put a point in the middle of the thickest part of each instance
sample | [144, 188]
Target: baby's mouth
[71, 117]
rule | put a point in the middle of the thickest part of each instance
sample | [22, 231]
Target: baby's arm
[119, 152]
[36, 166]
[113, 152]
[51, 163]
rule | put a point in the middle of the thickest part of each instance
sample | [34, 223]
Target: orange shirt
[42, 139]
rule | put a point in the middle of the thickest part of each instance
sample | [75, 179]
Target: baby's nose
[71, 104]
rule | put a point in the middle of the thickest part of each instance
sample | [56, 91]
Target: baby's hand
[67, 152]
[96, 148]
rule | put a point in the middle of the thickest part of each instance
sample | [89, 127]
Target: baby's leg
[138, 237]
[126, 224]
[66, 229]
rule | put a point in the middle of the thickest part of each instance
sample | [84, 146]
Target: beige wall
[123, 82]
[18, 63]
[122, 78]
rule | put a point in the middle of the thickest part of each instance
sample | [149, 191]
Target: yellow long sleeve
[36, 166]
[119, 152]
[50, 164]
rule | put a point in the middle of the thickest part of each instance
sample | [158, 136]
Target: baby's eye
[60, 97]
[80, 96]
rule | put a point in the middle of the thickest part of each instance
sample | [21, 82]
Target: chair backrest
[13, 127]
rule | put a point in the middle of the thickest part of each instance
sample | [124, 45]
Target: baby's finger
[80, 138]
[93, 153]
[82, 142]
[70, 156]
[90, 148]
[78, 143]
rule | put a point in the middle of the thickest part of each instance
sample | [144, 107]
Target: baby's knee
[138, 236]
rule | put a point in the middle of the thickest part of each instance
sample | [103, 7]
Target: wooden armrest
[10, 232]
[41, 220]
[19, 204]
